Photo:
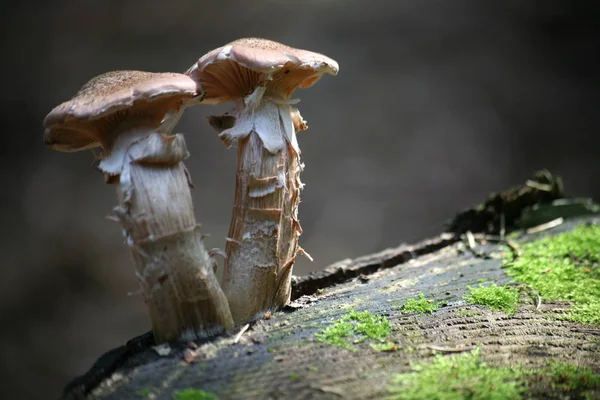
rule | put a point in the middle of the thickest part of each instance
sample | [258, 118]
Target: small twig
[502, 226]
[498, 239]
[449, 349]
[586, 330]
[471, 244]
[544, 227]
[522, 286]
[240, 333]
[544, 187]
[513, 247]
[471, 240]
[481, 237]
[539, 298]
[332, 390]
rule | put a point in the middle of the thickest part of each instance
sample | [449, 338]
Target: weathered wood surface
[279, 358]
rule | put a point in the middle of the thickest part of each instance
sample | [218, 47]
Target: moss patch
[578, 382]
[355, 327]
[194, 394]
[467, 376]
[456, 377]
[500, 298]
[565, 267]
[419, 305]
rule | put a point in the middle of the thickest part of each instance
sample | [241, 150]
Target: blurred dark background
[437, 103]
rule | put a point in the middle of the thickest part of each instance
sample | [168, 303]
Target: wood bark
[279, 357]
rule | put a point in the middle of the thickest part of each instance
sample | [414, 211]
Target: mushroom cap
[107, 101]
[236, 69]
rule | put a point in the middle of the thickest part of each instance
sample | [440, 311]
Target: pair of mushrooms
[131, 115]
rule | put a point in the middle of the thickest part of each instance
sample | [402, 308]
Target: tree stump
[284, 356]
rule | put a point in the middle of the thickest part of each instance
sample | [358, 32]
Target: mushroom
[260, 76]
[124, 112]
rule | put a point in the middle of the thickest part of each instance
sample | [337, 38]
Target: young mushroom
[124, 113]
[260, 76]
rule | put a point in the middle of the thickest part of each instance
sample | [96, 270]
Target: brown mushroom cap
[236, 69]
[91, 118]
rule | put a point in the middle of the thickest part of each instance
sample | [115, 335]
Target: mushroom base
[155, 209]
[181, 292]
[263, 237]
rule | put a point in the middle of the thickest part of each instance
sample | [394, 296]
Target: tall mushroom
[123, 111]
[260, 76]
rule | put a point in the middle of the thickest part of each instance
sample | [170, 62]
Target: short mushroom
[260, 76]
[124, 113]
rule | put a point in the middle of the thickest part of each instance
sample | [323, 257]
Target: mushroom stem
[263, 236]
[155, 209]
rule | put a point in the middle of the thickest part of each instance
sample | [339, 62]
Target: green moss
[371, 326]
[465, 312]
[313, 368]
[144, 393]
[568, 378]
[456, 377]
[194, 394]
[337, 334]
[500, 298]
[467, 376]
[294, 376]
[565, 267]
[358, 326]
[419, 305]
